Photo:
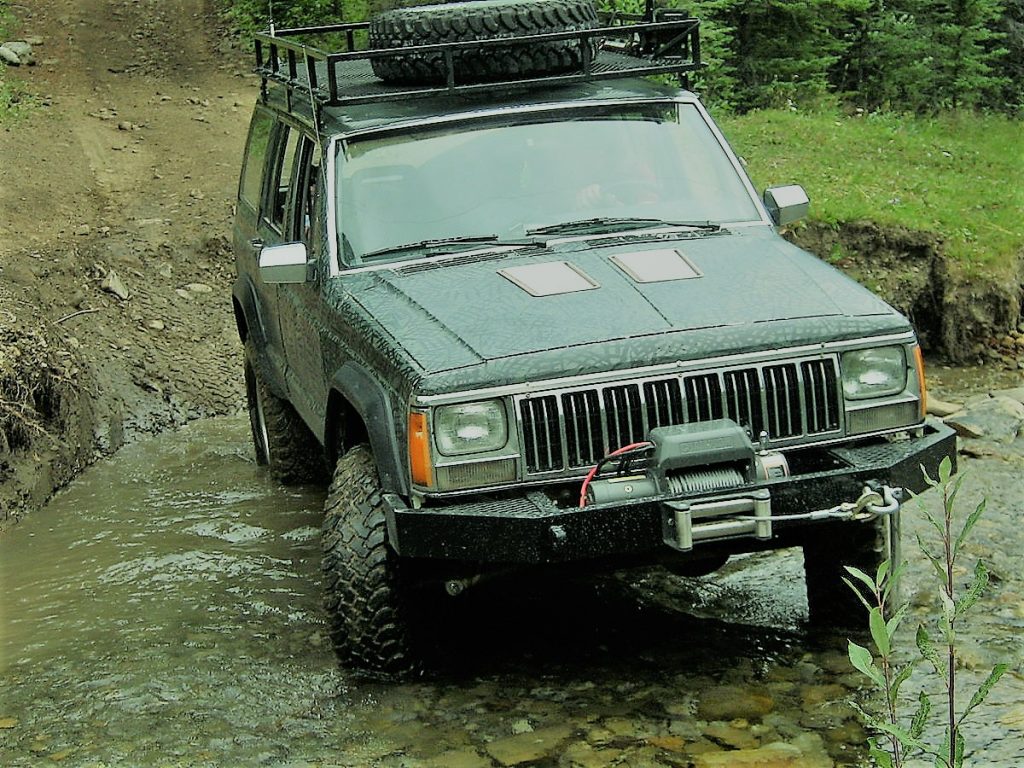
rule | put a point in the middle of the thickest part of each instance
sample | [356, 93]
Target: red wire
[592, 472]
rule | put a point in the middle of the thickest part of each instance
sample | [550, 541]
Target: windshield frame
[338, 266]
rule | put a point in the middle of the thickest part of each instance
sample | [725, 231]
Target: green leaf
[958, 753]
[940, 569]
[968, 525]
[856, 591]
[928, 478]
[882, 758]
[985, 688]
[879, 632]
[920, 719]
[952, 491]
[862, 661]
[975, 591]
[903, 736]
[882, 572]
[894, 623]
[928, 651]
[862, 577]
[900, 678]
[945, 470]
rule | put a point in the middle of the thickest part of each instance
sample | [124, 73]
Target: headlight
[874, 372]
[470, 427]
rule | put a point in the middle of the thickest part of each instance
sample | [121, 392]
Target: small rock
[35, 41]
[10, 57]
[199, 288]
[527, 747]
[155, 325]
[728, 702]
[83, 230]
[731, 736]
[124, 125]
[6, 723]
[1015, 394]
[113, 284]
[521, 726]
[941, 408]
[182, 293]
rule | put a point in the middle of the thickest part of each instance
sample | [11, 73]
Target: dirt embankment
[115, 316]
[960, 317]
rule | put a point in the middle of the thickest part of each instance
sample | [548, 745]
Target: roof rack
[628, 46]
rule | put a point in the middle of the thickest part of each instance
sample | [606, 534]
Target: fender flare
[355, 384]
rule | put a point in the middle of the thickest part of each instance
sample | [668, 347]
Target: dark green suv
[524, 304]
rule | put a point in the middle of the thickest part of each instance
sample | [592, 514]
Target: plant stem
[950, 686]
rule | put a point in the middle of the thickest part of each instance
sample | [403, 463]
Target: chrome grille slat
[575, 427]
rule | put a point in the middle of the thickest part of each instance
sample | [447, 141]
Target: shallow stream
[164, 611]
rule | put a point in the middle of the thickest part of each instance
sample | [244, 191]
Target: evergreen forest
[906, 56]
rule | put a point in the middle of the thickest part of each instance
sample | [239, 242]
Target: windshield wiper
[610, 224]
[446, 242]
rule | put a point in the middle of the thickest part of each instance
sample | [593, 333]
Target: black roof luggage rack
[627, 46]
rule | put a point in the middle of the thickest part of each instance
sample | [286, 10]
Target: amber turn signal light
[419, 450]
[919, 364]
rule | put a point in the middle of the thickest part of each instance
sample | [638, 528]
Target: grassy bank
[956, 176]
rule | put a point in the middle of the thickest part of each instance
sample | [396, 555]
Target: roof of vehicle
[353, 118]
[343, 90]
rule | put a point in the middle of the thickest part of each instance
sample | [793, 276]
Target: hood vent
[656, 266]
[549, 279]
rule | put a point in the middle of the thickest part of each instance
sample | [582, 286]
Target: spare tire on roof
[481, 20]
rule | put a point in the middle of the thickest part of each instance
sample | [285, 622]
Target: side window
[282, 178]
[255, 159]
[307, 191]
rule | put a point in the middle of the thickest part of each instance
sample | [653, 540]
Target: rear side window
[255, 159]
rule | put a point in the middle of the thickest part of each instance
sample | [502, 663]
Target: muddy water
[164, 611]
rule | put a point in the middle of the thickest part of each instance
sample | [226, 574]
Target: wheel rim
[257, 418]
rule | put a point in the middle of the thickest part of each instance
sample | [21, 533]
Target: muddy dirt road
[116, 203]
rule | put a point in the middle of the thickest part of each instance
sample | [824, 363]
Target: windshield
[499, 179]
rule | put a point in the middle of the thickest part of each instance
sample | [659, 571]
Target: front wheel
[364, 591]
[830, 602]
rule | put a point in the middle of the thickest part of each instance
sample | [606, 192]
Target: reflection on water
[164, 611]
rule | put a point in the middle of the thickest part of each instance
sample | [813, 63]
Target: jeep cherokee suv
[525, 304]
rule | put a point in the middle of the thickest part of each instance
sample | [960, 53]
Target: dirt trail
[122, 183]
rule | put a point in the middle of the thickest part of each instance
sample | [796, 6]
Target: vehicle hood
[754, 291]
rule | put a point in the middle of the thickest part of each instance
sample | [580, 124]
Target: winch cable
[870, 504]
[626, 453]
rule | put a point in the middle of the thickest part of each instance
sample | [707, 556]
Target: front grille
[575, 428]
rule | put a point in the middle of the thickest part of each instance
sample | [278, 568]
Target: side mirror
[284, 263]
[786, 204]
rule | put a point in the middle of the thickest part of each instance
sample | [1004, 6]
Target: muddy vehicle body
[548, 322]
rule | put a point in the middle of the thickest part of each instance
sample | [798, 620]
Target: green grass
[12, 96]
[958, 175]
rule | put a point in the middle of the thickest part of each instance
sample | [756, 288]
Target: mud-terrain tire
[830, 602]
[364, 592]
[280, 436]
[481, 20]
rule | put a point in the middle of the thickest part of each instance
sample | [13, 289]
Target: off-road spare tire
[481, 20]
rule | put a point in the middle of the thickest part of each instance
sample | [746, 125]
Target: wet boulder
[997, 418]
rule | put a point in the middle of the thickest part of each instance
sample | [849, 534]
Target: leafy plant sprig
[900, 739]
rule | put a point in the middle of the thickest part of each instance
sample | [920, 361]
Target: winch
[703, 457]
[698, 457]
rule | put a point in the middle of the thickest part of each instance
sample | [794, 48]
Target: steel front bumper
[533, 529]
